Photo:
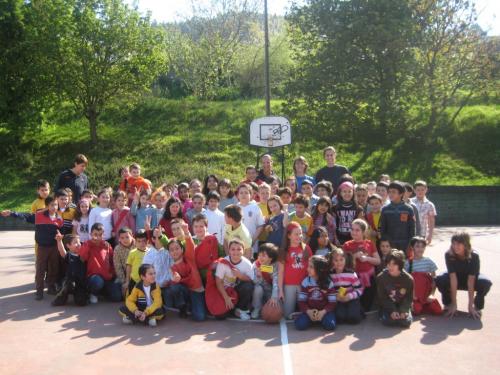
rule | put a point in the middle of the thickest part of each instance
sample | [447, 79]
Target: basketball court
[38, 338]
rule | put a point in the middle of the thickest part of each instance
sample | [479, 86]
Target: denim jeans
[303, 321]
[97, 285]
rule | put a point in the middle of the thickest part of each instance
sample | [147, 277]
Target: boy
[382, 190]
[198, 203]
[397, 221]
[395, 292]
[324, 189]
[236, 229]
[74, 282]
[384, 251]
[135, 182]
[252, 216]
[361, 192]
[215, 217]
[100, 271]
[236, 272]
[286, 198]
[371, 187]
[426, 211]
[251, 175]
[265, 280]
[301, 217]
[307, 190]
[134, 259]
[207, 248]
[67, 213]
[47, 223]
[406, 198]
[264, 195]
[144, 303]
[126, 243]
[373, 217]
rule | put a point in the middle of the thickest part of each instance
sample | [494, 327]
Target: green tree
[97, 51]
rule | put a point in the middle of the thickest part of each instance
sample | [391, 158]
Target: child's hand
[176, 277]
[394, 315]
[403, 315]
[138, 314]
[5, 213]
[229, 302]
[473, 313]
[268, 228]
[143, 316]
[281, 295]
[59, 236]
[311, 313]
[137, 196]
[147, 222]
[285, 208]
[237, 274]
[185, 228]
[273, 302]
[320, 314]
[452, 310]
[343, 298]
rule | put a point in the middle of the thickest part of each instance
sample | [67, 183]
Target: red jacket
[187, 269]
[207, 252]
[99, 258]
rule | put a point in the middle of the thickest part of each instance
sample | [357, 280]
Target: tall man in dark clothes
[331, 172]
[267, 174]
[74, 178]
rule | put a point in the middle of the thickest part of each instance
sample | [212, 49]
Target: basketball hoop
[270, 141]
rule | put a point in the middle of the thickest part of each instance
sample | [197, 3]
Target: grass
[179, 140]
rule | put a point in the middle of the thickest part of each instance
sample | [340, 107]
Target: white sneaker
[243, 315]
[126, 320]
[255, 314]
[93, 298]
[152, 322]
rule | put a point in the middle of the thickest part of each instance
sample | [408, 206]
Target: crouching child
[265, 271]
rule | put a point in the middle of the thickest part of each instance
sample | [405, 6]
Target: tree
[97, 51]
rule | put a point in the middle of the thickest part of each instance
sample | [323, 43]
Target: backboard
[272, 131]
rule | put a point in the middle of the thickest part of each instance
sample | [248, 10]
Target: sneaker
[93, 298]
[39, 295]
[126, 320]
[152, 322]
[255, 314]
[242, 314]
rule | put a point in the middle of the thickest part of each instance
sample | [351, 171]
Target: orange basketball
[272, 314]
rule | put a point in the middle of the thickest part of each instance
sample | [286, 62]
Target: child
[463, 273]
[292, 185]
[406, 198]
[382, 190]
[173, 210]
[136, 183]
[292, 267]
[134, 259]
[308, 191]
[194, 187]
[300, 166]
[384, 250]
[159, 198]
[66, 212]
[277, 222]
[397, 221]
[322, 218]
[426, 210]
[423, 271]
[274, 183]
[141, 208]
[126, 243]
[183, 192]
[264, 195]
[395, 292]
[317, 296]
[347, 286]
[285, 195]
[102, 214]
[186, 282]
[100, 271]
[236, 272]
[198, 208]
[124, 174]
[215, 217]
[74, 282]
[236, 229]
[385, 178]
[158, 256]
[210, 184]
[302, 217]
[346, 211]
[324, 189]
[373, 217]
[207, 249]
[226, 194]
[265, 278]
[144, 303]
[371, 187]
[366, 259]
[252, 216]
[81, 220]
[362, 196]
[320, 242]
[47, 223]
[251, 175]
[121, 216]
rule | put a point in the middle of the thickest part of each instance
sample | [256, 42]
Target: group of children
[318, 253]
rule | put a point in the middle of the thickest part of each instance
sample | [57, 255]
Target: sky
[176, 10]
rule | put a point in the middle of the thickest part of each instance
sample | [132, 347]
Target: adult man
[74, 178]
[331, 172]
[267, 174]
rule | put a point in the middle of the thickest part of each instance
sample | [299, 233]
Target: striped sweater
[349, 281]
[311, 296]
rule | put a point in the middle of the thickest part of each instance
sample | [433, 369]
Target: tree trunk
[92, 117]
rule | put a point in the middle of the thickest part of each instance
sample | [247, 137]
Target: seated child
[320, 242]
[144, 303]
[423, 271]
[265, 278]
[317, 296]
[347, 286]
[235, 271]
[74, 282]
[134, 259]
[395, 292]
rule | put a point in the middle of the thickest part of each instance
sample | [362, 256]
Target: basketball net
[270, 140]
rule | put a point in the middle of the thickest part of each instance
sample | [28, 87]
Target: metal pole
[266, 61]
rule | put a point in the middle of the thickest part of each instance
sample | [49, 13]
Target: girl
[385, 250]
[81, 221]
[102, 214]
[183, 194]
[320, 242]
[277, 221]
[194, 187]
[121, 216]
[292, 267]
[346, 211]
[210, 183]
[275, 185]
[348, 287]
[159, 199]
[292, 185]
[322, 218]
[226, 194]
[317, 296]
[462, 264]
[366, 257]
[173, 210]
[300, 166]
[141, 209]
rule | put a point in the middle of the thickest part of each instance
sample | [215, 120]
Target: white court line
[287, 357]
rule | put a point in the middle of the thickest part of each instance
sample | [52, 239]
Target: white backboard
[272, 131]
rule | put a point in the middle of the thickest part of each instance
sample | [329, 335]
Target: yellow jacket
[138, 298]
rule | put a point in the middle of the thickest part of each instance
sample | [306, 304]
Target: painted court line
[287, 357]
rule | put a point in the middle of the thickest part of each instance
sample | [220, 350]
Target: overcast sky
[176, 10]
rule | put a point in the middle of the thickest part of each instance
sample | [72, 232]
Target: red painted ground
[38, 338]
